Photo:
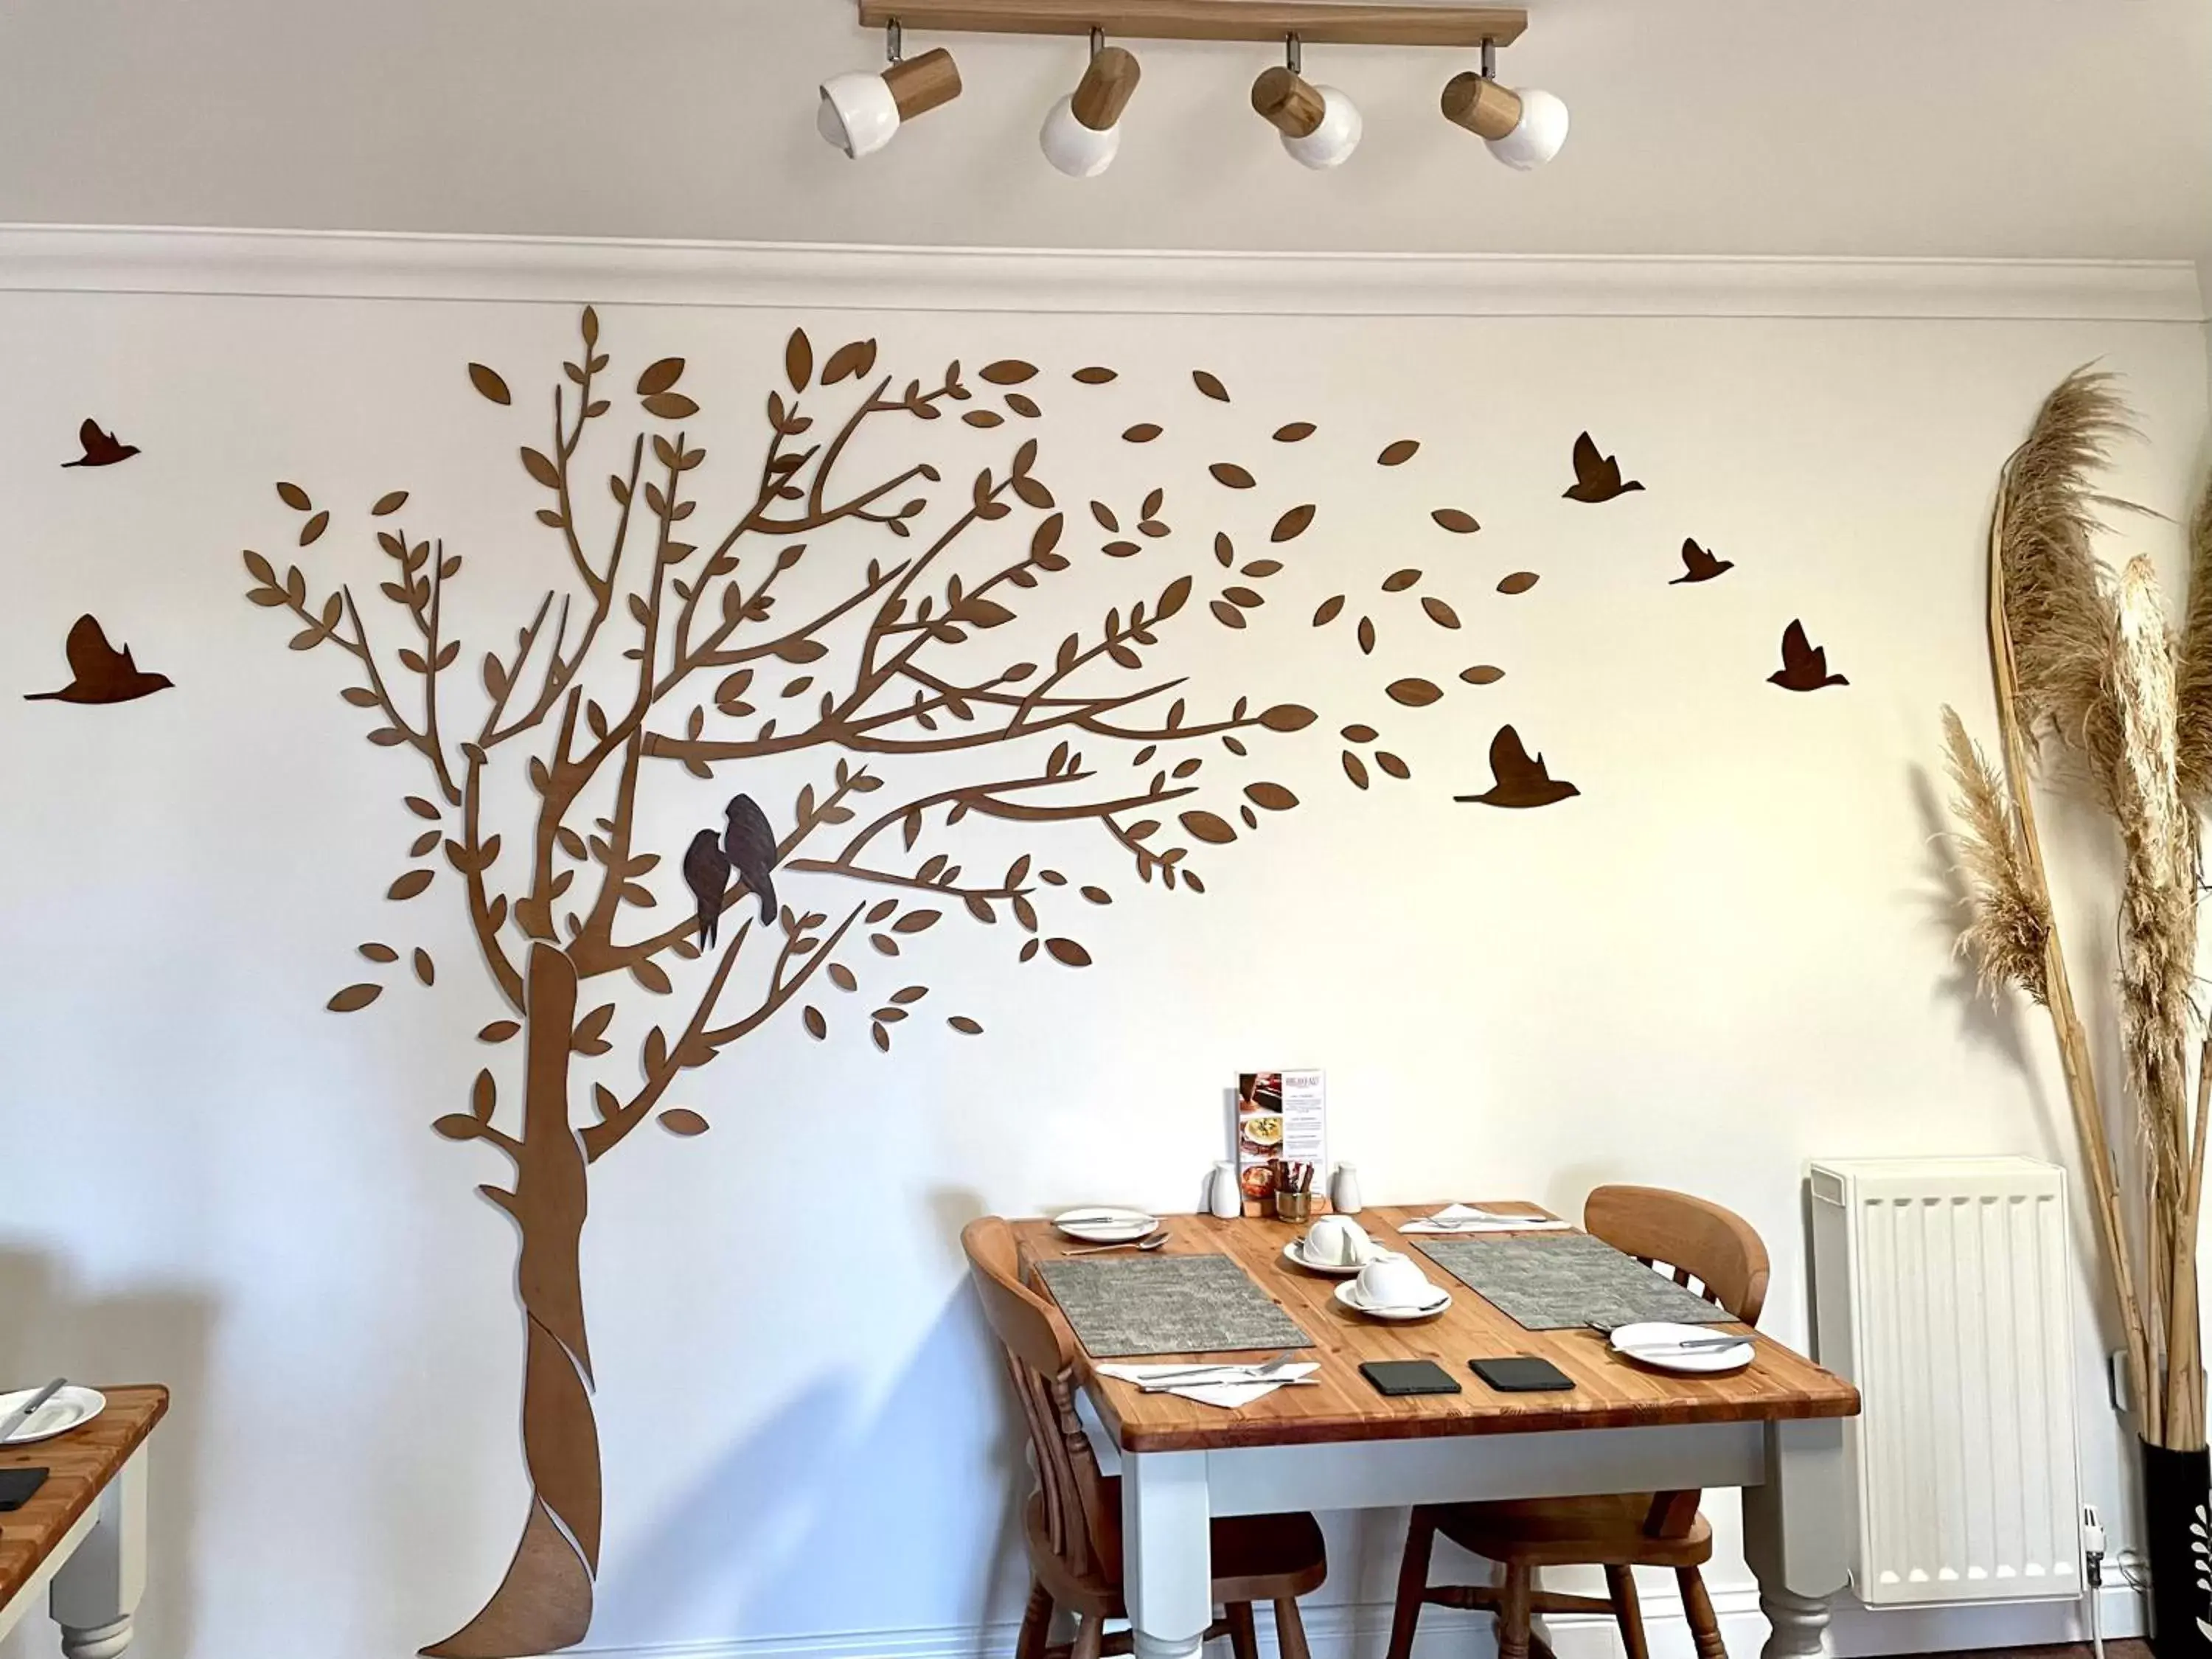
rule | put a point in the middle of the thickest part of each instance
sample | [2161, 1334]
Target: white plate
[1652, 1344]
[1294, 1252]
[1105, 1224]
[71, 1408]
[1348, 1294]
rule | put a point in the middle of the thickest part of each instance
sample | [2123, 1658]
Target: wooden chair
[1073, 1522]
[1708, 1248]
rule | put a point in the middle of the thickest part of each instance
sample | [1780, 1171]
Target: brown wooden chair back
[1709, 1249]
[1039, 1354]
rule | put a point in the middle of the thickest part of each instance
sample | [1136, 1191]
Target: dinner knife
[29, 1408]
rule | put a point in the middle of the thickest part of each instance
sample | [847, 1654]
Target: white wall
[1730, 955]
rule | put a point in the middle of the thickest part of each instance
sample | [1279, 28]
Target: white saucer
[1294, 1252]
[1348, 1294]
[1651, 1344]
[71, 1407]
[1106, 1223]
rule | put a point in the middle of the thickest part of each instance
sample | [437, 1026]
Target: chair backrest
[1040, 1355]
[1713, 1251]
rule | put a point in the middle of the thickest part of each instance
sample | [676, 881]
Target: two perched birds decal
[746, 845]
[98, 672]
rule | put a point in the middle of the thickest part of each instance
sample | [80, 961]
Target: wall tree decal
[680, 639]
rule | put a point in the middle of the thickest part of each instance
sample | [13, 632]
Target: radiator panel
[1941, 1289]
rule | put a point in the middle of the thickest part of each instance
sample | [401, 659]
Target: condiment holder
[1293, 1207]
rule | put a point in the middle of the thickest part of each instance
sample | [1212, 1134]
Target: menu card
[1279, 1115]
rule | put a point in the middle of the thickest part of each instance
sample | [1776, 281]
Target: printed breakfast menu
[1279, 1114]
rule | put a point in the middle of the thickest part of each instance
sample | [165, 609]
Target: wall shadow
[152, 1333]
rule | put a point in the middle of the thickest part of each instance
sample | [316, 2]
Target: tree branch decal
[855, 617]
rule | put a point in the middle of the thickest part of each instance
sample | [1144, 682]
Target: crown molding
[358, 264]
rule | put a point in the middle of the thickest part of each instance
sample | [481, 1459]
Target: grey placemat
[1168, 1305]
[1557, 1281]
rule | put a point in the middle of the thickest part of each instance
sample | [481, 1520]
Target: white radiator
[1942, 1287]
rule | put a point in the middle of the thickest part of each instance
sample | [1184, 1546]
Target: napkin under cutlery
[1228, 1394]
[1466, 1218]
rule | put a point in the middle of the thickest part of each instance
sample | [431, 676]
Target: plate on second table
[1295, 1253]
[1106, 1223]
[1658, 1345]
[71, 1408]
[1348, 1294]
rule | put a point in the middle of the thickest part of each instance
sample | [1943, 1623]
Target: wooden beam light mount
[1317, 22]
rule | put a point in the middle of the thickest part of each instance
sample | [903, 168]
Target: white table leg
[1797, 1531]
[1167, 1565]
[96, 1592]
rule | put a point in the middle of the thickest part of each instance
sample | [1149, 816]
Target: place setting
[1377, 1284]
[29, 1415]
[1688, 1350]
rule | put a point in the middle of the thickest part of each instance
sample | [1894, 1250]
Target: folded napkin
[1229, 1395]
[1466, 1218]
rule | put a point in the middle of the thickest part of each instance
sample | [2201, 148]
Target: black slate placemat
[1558, 1281]
[1168, 1305]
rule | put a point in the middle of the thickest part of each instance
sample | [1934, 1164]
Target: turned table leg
[96, 1592]
[1797, 1533]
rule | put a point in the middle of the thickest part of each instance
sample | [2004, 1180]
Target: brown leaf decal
[1390, 764]
[354, 997]
[966, 1026]
[1208, 828]
[1143, 433]
[1068, 951]
[841, 977]
[410, 884]
[1292, 524]
[1008, 371]
[798, 360]
[1399, 453]
[425, 970]
[1121, 549]
[849, 361]
[1367, 636]
[490, 384]
[1440, 613]
[1399, 581]
[1358, 734]
[1243, 597]
[1519, 582]
[661, 376]
[1227, 614]
[1287, 717]
[671, 406]
[498, 1031]
[1327, 611]
[1224, 551]
[983, 417]
[1025, 407]
[1093, 376]
[1459, 523]
[388, 505]
[1262, 567]
[683, 1120]
[1211, 386]
[294, 497]
[1272, 796]
[310, 531]
[376, 952]
[1296, 432]
[1413, 693]
[1232, 475]
[1104, 514]
[1482, 674]
[1355, 769]
[817, 1027]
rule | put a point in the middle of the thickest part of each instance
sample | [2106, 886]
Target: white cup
[1337, 1241]
[1394, 1281]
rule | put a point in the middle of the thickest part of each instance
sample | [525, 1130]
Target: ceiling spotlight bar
[1523, 129]
[1318, 22]
[1320, 125]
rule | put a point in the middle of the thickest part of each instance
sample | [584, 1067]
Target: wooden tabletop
[79, 1463]
[1609, 1392]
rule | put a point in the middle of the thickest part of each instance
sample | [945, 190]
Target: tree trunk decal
[655, 658]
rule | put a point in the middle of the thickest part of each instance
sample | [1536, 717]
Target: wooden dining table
[1773, 1429]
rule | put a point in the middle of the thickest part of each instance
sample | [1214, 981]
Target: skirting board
[1360, 1631]
[814, 276]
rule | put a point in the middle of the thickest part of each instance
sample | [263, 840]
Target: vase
[2178, 1541]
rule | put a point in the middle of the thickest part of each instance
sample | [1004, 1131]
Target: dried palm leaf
[2058, 602]
[2008, 913]
[2194, 694]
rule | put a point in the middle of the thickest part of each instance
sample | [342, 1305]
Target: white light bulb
[1537, 137]
[1078, 151]
[1331, 143]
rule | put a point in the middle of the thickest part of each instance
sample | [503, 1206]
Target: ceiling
[1897, 127]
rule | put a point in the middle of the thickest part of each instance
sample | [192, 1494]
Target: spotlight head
[1320, 126]
[860, 112]
[1523, 129]
[1080, 135]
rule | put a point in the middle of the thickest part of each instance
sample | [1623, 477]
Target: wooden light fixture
[1318, 22]
[1523, 129]
[861, 111]
[1320, 125]
[1080, 136]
